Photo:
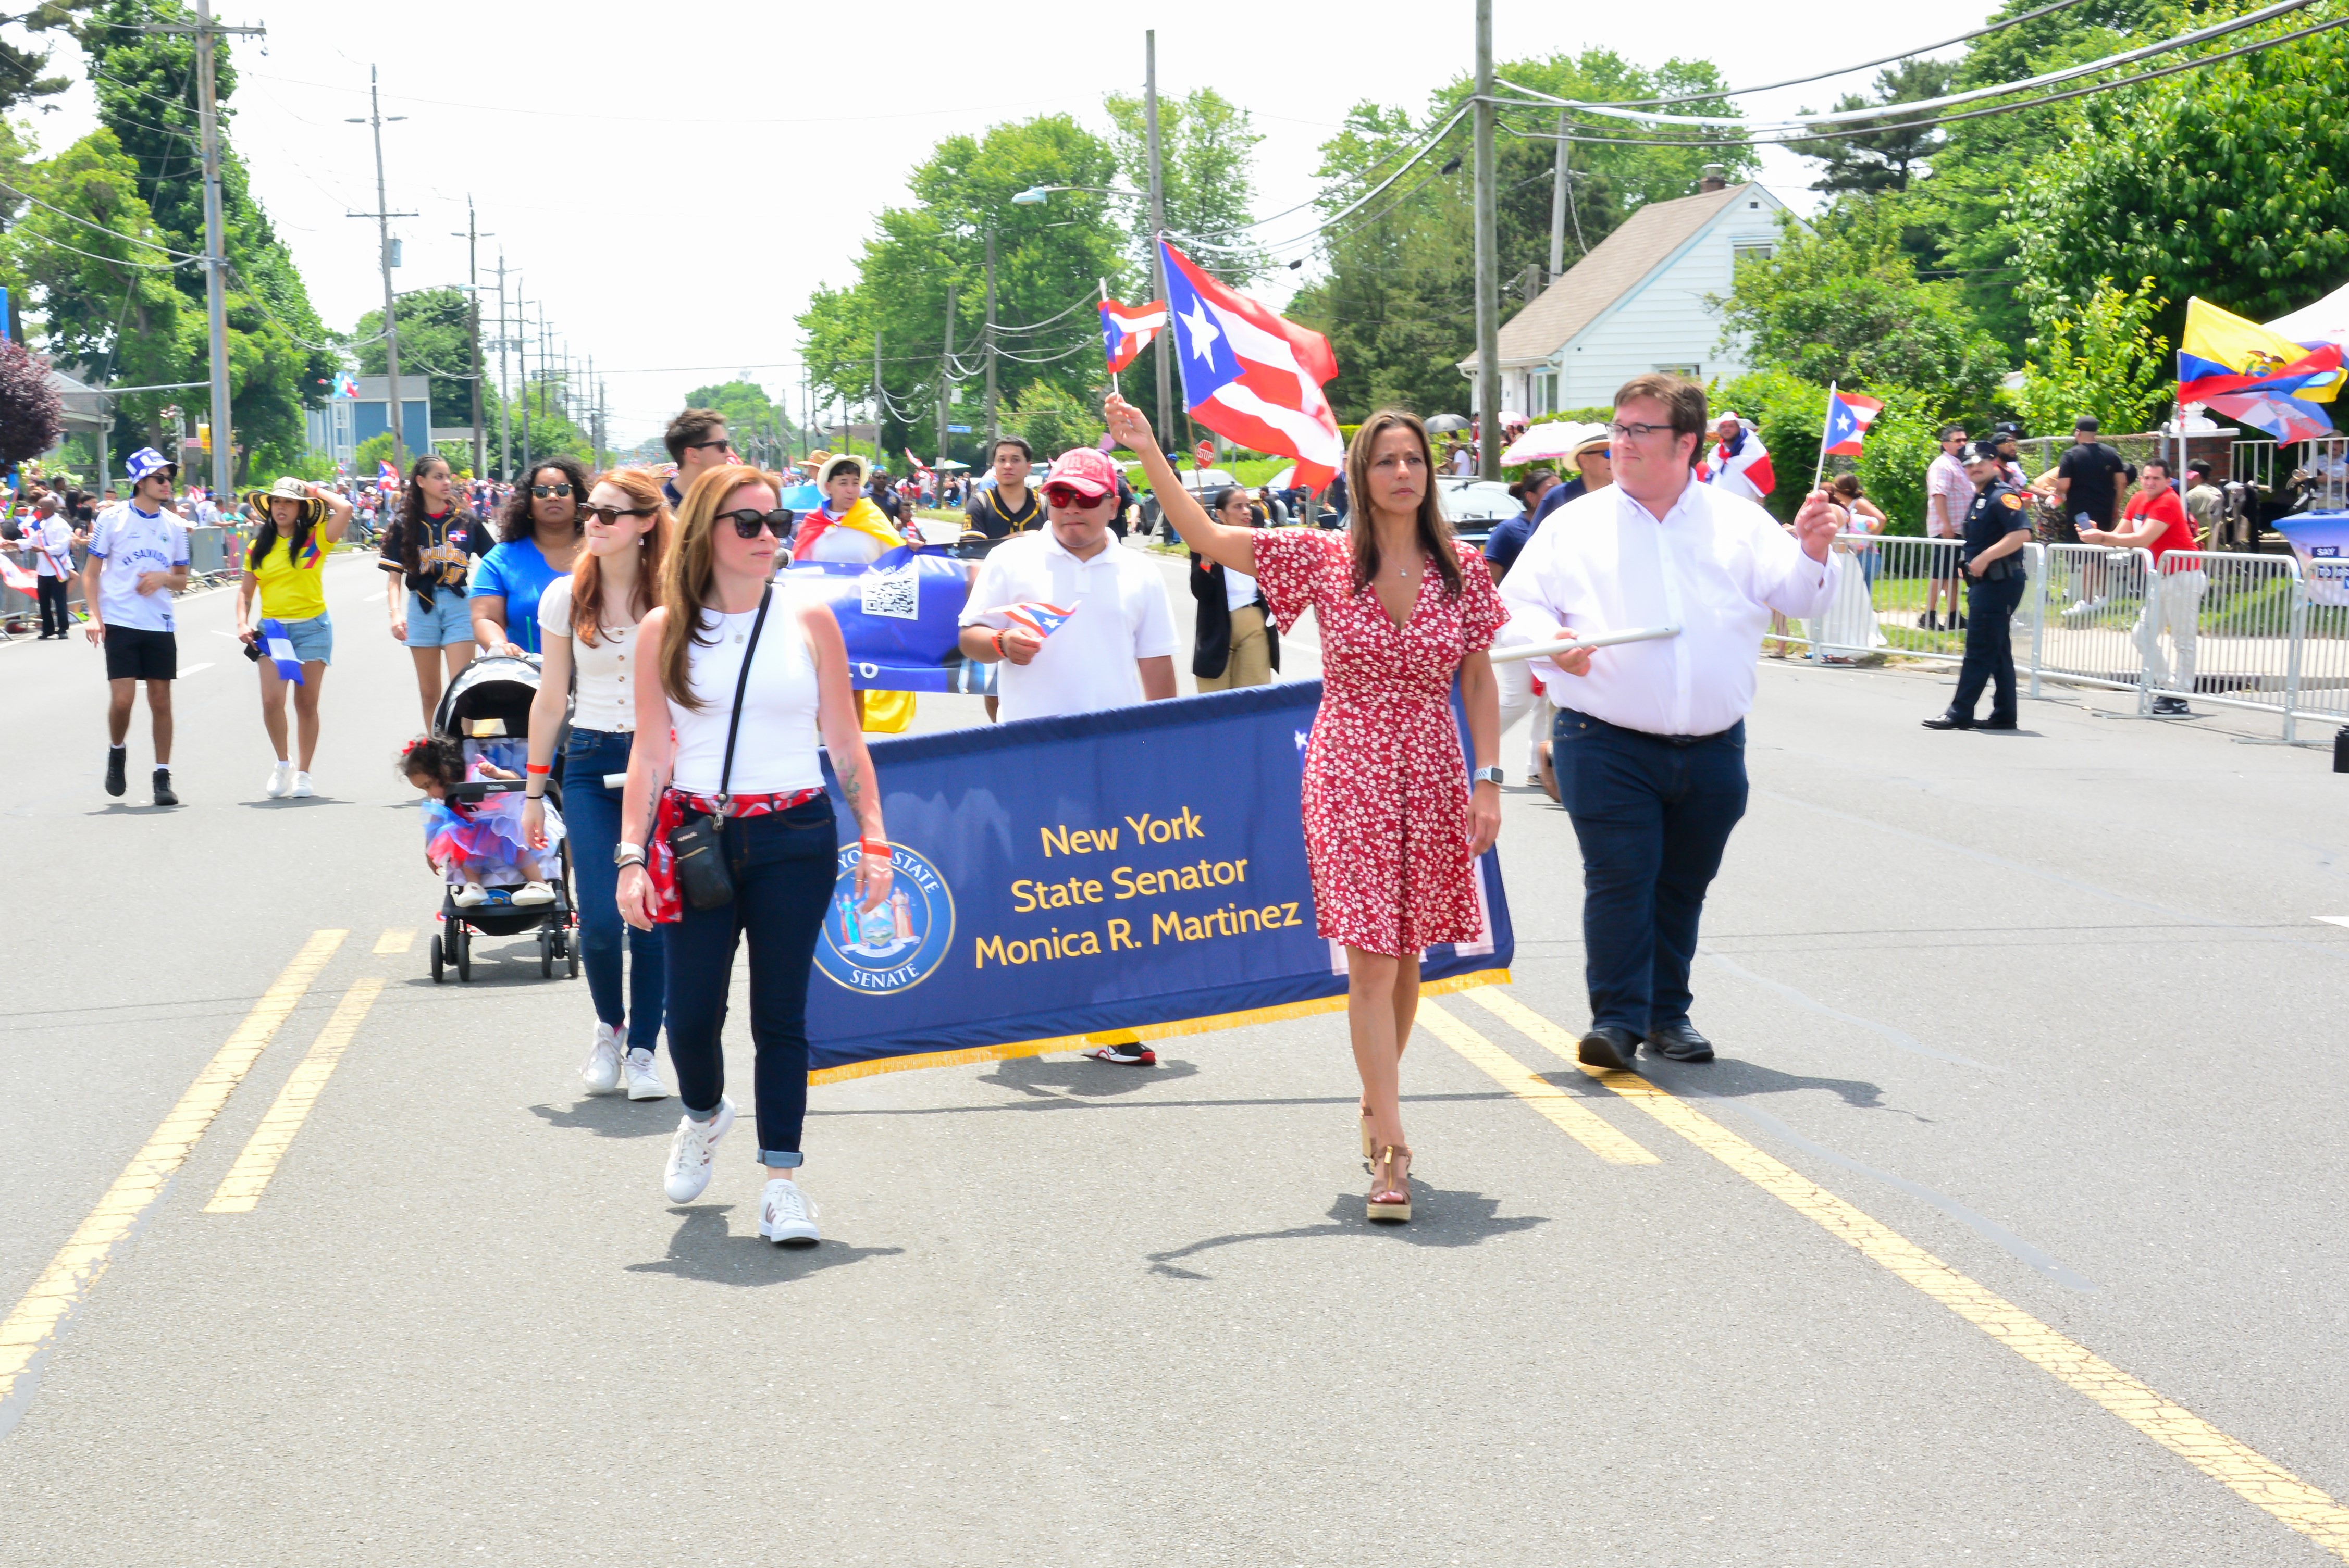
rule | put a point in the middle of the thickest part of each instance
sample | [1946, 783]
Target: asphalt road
[2006, 1229]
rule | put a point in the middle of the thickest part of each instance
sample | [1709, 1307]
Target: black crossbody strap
[741, 684]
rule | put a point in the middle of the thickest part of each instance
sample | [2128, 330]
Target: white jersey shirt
[129, 542]
[1121, 615]
[51, 539]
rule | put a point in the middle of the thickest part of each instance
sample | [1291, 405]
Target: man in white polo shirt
[1115, 649]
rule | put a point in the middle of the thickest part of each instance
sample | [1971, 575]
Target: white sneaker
[642, 1082]
[302, 790]
[281, 778]
[529, 894]
[787, 1216]
[688, 1152]
[472, 895]
[602, 1069]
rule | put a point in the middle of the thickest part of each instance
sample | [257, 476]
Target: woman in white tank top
[588, 632]
[718, 609]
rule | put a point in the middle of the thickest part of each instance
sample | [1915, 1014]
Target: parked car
[1474, 506]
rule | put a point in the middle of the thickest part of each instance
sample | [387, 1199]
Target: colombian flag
[2246, 372]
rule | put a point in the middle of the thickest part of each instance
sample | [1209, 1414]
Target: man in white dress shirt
[1650, 737]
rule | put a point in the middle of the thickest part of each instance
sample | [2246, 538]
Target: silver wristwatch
[1494, 775]
[626, 854]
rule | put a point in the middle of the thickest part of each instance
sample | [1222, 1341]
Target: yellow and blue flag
[2246, 372]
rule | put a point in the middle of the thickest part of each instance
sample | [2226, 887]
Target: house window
[1685, 372]
[1545, 397]
[1750, 253]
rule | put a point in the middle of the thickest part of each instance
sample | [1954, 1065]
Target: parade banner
[1142, 869]
[2321, 539]
[900, 616]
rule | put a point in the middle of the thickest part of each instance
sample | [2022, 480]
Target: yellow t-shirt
[289, 591]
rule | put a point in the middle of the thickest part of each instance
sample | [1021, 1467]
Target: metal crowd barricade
[2088, 603]
[2224, 629]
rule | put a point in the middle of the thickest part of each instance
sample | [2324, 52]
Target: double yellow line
[2234, 1465]
[33, 1324]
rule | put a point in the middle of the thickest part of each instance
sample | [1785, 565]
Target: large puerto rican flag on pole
[1849, 418]
[1251, 376]
[1127, 329]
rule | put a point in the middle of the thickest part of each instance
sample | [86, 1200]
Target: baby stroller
[487, 708]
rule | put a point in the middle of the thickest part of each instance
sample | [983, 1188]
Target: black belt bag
[697, 843]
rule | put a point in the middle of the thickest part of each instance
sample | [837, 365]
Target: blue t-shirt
[518, 572]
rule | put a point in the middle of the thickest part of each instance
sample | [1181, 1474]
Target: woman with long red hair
[588, 624]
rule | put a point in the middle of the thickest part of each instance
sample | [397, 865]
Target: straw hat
[838, 461]
[287, 488]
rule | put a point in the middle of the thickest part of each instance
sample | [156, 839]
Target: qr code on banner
[896, 594]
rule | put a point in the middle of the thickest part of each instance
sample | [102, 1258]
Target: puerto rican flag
[1034, 615]
[385, 474]
[17, 577]
[1127, 329]
[1251, 376]
[1849, 417]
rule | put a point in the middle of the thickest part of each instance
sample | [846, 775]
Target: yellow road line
[1566, 1112]
[2241, 1468]
[33, 1326]
[240, 1189]
[394, 940]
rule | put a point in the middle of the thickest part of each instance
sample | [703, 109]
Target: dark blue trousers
[783, 868]
[591, 811]
[1652, 817]
[1990, 647]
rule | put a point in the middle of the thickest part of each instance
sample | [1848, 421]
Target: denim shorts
[314, 639]
[448, 620]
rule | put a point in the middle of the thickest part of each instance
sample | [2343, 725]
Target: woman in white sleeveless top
[587, 632]
[780, 846]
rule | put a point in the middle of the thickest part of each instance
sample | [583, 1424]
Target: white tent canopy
[2326, 321]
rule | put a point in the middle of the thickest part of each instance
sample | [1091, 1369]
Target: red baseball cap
[1086, 471]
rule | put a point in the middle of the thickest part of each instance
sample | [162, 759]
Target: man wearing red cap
[1116, 647]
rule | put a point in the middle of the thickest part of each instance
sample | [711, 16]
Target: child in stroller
[478, 844]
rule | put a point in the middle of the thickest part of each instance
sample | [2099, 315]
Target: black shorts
[135, 654]
[1942, 565]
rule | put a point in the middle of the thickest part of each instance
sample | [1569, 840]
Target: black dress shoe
[1608, 1047]
[1994, 722]
[1680, 1043]
[1948, 720]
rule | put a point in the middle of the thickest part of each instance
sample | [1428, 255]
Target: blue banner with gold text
[1140, 869]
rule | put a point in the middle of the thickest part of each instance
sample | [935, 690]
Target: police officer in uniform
[1998, 524]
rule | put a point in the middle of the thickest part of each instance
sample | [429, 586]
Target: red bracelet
[534, 768]
[881, 847]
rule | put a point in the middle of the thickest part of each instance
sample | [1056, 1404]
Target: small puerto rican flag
[1127, 329]
[1031, 615]
[1849, 417]
[17, 577]
[278, 649]
[385, 474]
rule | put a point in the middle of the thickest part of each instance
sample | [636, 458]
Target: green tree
[436, 341]
[2099, 357]
[1206, 155]
[1050, 421]
[749, 413]
[1047, 259]
[1398, 302]
[1841, 302]
[1882, 159]
[2230, 182]
[279, 358]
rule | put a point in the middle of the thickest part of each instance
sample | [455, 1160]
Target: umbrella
[1445, 423]
[948, 466]
[1548, 443]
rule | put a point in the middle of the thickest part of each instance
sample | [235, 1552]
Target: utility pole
[994, 426]
[207, 36]
[1162, 351]
[383, 215]
[1488, 262]
[473, 294]
[505, 396]
[522, 368]
[946, 378]
[1557, 200]
[880, 401]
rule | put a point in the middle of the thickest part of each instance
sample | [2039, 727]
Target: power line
[117, 233]
[665, 119]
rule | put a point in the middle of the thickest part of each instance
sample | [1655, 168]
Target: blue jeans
[1653, 815]
[591, 811]
[784, 868]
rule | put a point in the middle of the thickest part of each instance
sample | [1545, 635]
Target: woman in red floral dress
[1392, 827]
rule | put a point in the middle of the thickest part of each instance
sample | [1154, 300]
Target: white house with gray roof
[1636, 304]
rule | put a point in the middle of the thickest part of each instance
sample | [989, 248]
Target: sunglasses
[724, 444]
[746, 523]
[542, 492]
[1068, 495]
[608, 515]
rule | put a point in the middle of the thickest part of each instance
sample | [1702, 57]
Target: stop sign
[1204, 454]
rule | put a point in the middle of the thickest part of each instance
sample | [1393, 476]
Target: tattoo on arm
[852, 786]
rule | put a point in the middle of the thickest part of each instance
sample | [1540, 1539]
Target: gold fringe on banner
[1145, 1031]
